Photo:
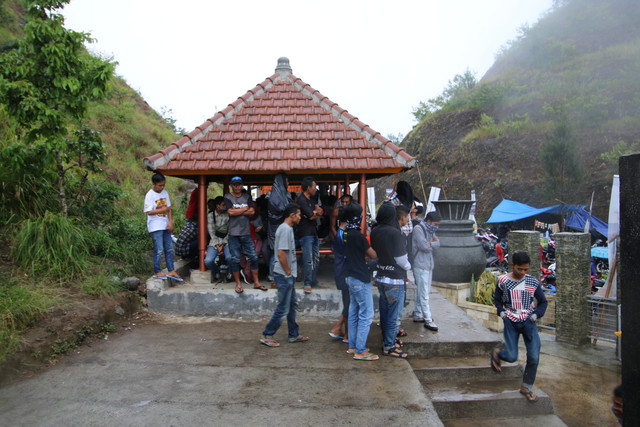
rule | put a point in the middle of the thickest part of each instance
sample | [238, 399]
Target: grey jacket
[422, 250]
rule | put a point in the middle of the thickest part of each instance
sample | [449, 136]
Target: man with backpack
[423, 242]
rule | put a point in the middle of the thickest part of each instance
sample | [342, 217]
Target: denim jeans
[310, 258]
[423, 282]
[287, 306]
[360, 313]
[210, 260]
[529, 331]
[391, 304]
[162, 242]
[244, 244]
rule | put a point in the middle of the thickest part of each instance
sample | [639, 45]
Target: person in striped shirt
[514, 300]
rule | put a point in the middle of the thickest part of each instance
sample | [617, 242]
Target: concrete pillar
[529, 242]
[573, 272]
[629, 284]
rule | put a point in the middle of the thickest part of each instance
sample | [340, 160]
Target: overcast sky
[376, 59]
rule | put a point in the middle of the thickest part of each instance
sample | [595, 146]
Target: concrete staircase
[455, 372]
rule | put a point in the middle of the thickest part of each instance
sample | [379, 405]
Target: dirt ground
[580, 392]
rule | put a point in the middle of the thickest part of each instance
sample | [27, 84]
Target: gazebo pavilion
[281, 125]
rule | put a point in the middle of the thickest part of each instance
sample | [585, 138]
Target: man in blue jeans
[157, 206]
[514, 301]
[284, 274]
[390, 245]
[240, 209]
[308, 232]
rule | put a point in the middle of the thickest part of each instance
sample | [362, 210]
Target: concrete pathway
[190, 371]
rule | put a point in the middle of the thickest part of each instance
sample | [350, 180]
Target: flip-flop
[306, 289]
[176, 278]
[401, 333]
[299, 338]
[261, 287]
[159, 277]
[239, 291]
[495, 362]
[369, 357]
[530, 395]
[269, 342]
[336, 336]
[353, 350]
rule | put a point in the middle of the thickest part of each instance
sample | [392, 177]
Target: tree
[459, 84]
[560, 160]
[46, 84]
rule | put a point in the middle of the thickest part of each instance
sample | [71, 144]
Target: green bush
[51, 245]
[485, 288]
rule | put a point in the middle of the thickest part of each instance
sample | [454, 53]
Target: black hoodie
[388, 242]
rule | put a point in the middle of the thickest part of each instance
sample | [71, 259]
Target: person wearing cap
[240, 210]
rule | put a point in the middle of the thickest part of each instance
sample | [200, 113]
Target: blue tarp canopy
[578, 219]
[509, 211]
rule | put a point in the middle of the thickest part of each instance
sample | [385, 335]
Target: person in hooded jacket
[393, 263]
[277, 201]
[403, 195]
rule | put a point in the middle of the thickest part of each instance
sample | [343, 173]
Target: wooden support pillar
[202, 221]
[362, 198]
[347, 190]
[339, 190]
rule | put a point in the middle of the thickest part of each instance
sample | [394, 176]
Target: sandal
[159, 276]
[306, 289]
[269, 342]
[261, 287]
[336, 336]
[399, 343]
[368, 357]
[495, 361]
[176, 278]
[530, 395]
[401, 333]
[239, 289]
[353, 350]
[299, 338]
[395, 352]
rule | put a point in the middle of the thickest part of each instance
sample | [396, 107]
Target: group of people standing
[400, 241]
[385, 256]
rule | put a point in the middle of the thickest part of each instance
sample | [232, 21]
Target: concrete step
[532, 421]
[458, 335]
[485, 399]
[441, 369]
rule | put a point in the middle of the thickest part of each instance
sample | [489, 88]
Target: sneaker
[430, 325]
[244, 277]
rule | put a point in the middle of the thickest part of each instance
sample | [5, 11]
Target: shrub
[51, 245]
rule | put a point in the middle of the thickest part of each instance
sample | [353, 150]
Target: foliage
[619, 150]
[456, 87]
[485, 288]
[46, 85]
[51, 245]
[560, 160]
[396, 138]
[513, 126]
[101, 285]
[20, 306]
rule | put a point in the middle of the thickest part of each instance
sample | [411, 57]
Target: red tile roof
[282, 124]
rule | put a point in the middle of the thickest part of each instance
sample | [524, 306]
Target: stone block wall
[573, 272]
[529, 242]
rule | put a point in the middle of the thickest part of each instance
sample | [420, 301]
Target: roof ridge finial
[283, 65]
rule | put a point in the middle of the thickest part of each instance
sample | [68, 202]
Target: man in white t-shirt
[157, 206]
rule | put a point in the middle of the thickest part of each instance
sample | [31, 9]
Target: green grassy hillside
[578, 66]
